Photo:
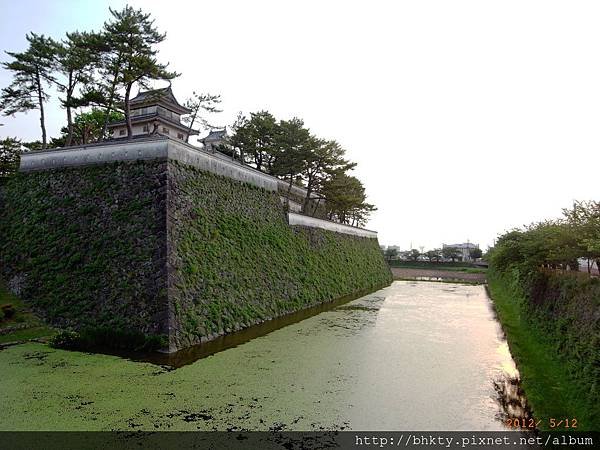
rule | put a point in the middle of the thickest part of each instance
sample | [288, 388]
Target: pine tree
[326, 158]
[76, 59]
[345, 199]
[255, 138]
[206, 102]
[131, 38]
[292, 144]
[32, 72]
[10, 150]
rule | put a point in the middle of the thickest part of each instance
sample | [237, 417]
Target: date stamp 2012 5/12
[564, 423]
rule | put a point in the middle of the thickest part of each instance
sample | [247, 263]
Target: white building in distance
[464, 249]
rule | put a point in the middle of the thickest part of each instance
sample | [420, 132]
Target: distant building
[463, 249]
[215, 140]
[154, 112]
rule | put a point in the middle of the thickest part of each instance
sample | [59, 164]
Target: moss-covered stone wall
[161, 248]
[235, 261]
[87, 246]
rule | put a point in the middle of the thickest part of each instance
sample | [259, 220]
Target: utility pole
[468, 255]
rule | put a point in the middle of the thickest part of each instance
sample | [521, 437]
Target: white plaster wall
[294, 206]
[297, 190]
[185, 153]
[136, 130]
[306, 221]
[141, 149]
[94, 154]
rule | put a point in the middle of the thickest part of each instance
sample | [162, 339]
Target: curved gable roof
[163, 95]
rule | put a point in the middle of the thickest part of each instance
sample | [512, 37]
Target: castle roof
[215, 135]
[163, 96]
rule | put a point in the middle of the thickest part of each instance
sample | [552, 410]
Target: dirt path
[402, 273]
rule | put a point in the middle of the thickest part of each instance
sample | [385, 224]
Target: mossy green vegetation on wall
[235, 261]
[158, 248]
[86, 247]
[17, 322]
[552, 325]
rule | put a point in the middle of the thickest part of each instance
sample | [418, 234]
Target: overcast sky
[466, 118]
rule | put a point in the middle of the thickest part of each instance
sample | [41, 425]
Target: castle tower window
[165, 130]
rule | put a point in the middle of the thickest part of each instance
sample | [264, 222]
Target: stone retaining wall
[174, 245]
[234, 260]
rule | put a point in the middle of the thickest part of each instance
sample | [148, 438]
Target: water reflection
[433, 361]
[512, 400]
[412, 356]
[509, 391]
[189, 355]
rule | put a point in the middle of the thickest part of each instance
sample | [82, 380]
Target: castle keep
[155, 112]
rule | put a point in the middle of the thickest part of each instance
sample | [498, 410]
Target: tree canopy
[346, 199]
[75, 59]
[390, 253]
[451, 253]
[552, 243]
[131, 37]
[88, 69]
[96, 73]
[287, 149]
[32, 73]
[10, 150]
[199, 103]
[87, 127]
[255, 138]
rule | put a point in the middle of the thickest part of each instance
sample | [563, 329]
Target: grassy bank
[556, 383]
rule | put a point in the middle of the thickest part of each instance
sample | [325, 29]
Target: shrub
[8, 310]
[67, 339]
[93, 338]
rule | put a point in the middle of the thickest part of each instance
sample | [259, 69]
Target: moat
[414, 355]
